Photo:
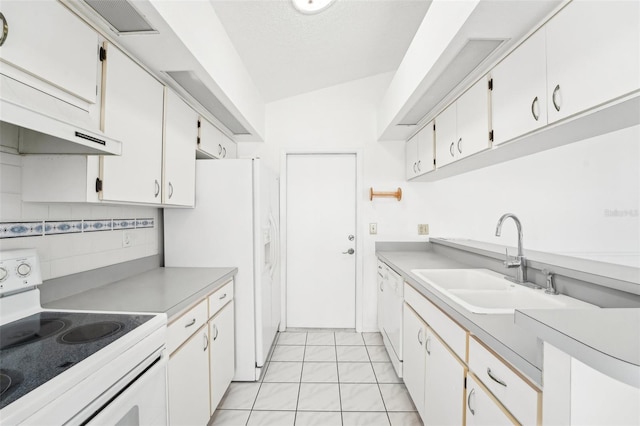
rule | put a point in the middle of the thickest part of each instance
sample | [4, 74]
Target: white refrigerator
[235, 223]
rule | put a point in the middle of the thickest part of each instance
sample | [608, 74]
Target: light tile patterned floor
[320, 378]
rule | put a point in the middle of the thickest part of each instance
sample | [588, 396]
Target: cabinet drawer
[445, 327]
[516, 393]
[180, 329]
[220, 298]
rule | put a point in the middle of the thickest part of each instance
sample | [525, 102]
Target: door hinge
[434, 162]
[434, 127]
[198, 140]
[198, 124]
[98, 184]
[102, 54]
[465, 382]
[490, 84]
[491, 136]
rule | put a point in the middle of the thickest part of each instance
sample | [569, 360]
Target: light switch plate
[373, 228]
[423, 229]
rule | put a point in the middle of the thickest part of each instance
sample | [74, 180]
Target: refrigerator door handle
[275, 240]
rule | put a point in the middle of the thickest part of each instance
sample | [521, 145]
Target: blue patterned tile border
[62, 227]
[96, 225]
[124, 223]
[20, 229]
[145, 223]
[59, 227]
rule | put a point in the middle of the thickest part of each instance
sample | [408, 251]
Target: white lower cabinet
[444, 384]
[189, 382]
[481, 409]
[433, 375]
[221, 354]
[414, 330]
[202, 362]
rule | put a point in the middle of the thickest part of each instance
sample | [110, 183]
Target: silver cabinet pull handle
[427, 345]
[535, 110]
[419, 162]
[381, 287]
[473, 412]
[420, 337]
[451, 149]
[193, 321]
[350, 251]
[555, 97]
[224, 152]
[170, 190]
[215, 329]
[157, 188]
[495, 379]
[5, 29]
[206, 341]
[381, 276]
[219, 149]
[460, 145]
[223, 296]
[414, 167]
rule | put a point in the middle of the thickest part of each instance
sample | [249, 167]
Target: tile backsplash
[72, 238]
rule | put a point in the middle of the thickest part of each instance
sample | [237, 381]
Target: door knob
[350, 251]
[351, 237]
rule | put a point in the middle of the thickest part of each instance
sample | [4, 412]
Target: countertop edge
[616, 368]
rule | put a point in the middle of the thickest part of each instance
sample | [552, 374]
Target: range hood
[47, 125]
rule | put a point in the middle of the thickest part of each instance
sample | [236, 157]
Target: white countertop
[161, 290]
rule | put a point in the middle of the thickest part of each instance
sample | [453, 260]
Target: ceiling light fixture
[310, 7]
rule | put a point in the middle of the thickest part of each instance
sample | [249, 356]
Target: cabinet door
[133, 106]
[593, 55]
[446, 136]
[481, 409]
[49, 42]
[210, 139]
[229, 149]
[518, 98]
[411, 157]
[188, 381]
[414, 335]
[222, 365]
[380, 280]
[181, 133]
[472, 110]
[444, 384]
[425, 149]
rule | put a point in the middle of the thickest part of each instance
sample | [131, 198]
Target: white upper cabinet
[45, 40]
[133, 113]
[463, 128]
[180, 136]
[593, 55]
[213, 143]
[419, 152]
[518, 98]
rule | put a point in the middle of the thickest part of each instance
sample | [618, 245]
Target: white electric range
[75, 367]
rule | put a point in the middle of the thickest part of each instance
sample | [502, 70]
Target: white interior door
[321, 225]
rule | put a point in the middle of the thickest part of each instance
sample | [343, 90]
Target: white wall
[62, 255]
[564, 197]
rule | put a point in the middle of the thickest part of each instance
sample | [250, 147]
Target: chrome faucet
[519, 262]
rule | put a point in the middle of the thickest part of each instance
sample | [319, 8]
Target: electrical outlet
[373, 228]
[127, 238]
[423, 229]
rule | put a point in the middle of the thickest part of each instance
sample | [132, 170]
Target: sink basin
[464, 279]
[483, 291]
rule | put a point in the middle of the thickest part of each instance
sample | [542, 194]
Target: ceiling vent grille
[190, 82]
[121, 15]
[472, 54]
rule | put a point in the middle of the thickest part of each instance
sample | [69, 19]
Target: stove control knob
[23, 269]
[3, 274]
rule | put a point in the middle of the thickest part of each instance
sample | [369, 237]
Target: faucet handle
[551, 284]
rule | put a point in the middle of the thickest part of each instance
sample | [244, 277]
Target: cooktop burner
[37, 348]
[23, 332]
[90, 332]
[9, 380]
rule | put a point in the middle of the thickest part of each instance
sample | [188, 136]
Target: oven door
[142, 401]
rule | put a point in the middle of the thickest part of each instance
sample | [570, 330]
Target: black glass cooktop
[35, 349]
